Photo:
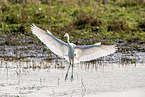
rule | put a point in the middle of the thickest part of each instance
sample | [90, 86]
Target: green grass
[87, 21]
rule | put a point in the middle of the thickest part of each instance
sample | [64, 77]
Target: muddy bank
[17, 46]
[41, 53]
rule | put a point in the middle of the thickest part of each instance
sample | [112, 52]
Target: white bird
[71, 52]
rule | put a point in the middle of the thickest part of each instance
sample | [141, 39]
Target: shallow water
[104, 80]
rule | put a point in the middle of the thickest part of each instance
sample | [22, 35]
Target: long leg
[67, 71]
[72, 71]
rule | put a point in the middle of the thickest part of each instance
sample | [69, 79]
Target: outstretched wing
[90, 52]
[56, 45]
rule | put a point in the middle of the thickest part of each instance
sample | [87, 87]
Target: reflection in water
[41, 78]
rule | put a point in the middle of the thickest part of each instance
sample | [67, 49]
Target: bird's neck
[68, 40]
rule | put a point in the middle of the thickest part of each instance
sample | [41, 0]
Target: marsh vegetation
[87, 22]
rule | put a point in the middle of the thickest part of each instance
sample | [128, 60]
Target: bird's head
[65, 35]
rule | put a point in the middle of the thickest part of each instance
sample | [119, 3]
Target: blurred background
[120, 22]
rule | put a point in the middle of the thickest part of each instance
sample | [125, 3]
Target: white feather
[82, 53]
[93, 52]
[71, 52]
[54, 44]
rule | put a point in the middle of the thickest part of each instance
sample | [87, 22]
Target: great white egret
[71, 52]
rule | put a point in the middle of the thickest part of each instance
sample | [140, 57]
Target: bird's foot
[72, 79]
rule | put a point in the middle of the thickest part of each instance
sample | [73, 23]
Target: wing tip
[49, 32]
[99, 43]
[32, 26]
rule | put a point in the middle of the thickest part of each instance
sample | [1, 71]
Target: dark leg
[72, 72]
[67, 71]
